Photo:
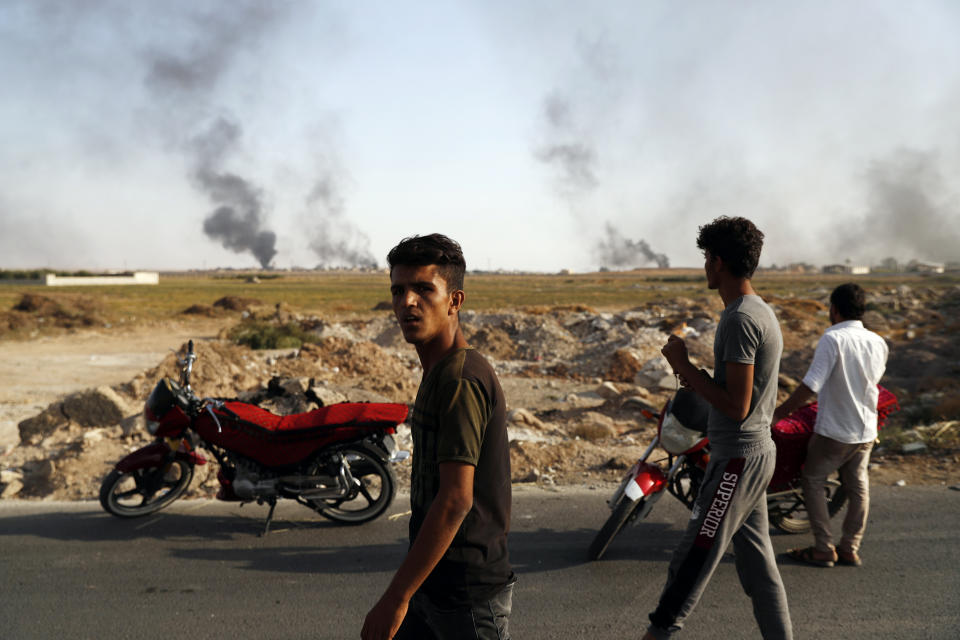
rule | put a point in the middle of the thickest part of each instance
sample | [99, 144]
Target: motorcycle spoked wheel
[130, 494]
[625, 511]
[789, 513]
[370, 499]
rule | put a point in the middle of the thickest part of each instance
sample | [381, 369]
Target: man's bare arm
[801, 396]
[451, 505]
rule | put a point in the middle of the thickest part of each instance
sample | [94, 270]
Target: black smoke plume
[912, 214]
[185, 73]
[617, 252]
[237, 220]
[574, 158]
[217, 33]
[566, 151]
[335, 240]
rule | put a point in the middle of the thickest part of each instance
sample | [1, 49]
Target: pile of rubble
[581, 385]
[65, 311]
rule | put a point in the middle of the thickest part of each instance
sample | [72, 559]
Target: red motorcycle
[681, 433]
[335, 459]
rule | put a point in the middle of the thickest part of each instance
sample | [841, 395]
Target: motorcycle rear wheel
[789, 513]
[378, 485]
[622, 513]
[131, 494]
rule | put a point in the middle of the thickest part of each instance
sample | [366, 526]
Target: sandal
[849, 558]
[809, 555]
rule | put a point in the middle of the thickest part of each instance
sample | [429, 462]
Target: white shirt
[846, 368]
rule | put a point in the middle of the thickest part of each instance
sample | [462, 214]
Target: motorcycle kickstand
[266, 526]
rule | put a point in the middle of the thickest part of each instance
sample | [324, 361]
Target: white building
[137, 277]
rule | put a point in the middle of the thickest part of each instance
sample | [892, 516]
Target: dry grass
[345, 294]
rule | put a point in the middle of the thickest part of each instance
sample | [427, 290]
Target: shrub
[258, 334]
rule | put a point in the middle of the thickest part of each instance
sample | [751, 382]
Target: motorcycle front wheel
[621, 515]
[369, 498]
[788, 513]
[130, 494]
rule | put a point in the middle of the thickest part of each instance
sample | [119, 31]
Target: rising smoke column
[565, 150]
[333, 239]
[615, 251]
[216, 34]
[237, 220]
[911, 215]
[186, 79]
[572, 152]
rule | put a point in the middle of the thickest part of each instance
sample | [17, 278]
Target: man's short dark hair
[850, 300]
[436, 248]
[736, 241]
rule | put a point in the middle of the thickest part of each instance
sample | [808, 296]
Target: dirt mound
[625, 364]
[370, 365]
[221, 370]
[236, 303]
[64, 311]
[801, 321]
[493, 342]
[558, 342]
[200, 310]
[539, 310]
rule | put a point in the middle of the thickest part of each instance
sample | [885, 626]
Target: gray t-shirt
[748, 333]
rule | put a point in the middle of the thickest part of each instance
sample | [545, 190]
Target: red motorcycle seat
[345, 413]
[792, 434]
[803, 419]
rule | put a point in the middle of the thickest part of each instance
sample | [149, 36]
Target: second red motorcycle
[681, 434]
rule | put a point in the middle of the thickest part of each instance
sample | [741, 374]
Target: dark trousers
[487, 620]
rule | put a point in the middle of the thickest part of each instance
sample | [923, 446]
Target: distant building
[925, 267]
[136, 277]
[847, 269]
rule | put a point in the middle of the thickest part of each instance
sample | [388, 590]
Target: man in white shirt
[847, 366]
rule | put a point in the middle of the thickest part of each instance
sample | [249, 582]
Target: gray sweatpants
[732, 506]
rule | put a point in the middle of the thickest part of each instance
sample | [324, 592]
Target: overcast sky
[540, 134]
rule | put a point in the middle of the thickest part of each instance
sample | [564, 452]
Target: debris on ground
[584, 387]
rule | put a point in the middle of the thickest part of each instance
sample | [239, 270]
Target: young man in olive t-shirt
[456, 581]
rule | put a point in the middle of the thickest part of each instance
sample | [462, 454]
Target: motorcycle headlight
[676, 438]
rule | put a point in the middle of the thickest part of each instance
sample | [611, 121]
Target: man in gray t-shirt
[731, 505]
[748, 333]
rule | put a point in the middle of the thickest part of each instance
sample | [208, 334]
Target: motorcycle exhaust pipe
[325, 492]
[307, 486]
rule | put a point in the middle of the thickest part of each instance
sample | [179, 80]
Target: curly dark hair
[737, 242]
[850, 300]
[436, 248]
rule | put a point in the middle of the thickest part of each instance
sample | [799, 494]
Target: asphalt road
[199, 570]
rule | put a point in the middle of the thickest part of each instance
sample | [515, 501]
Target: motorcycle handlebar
[188, 364]
[209, 404]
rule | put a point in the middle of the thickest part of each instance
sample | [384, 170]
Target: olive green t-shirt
[460, 416]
